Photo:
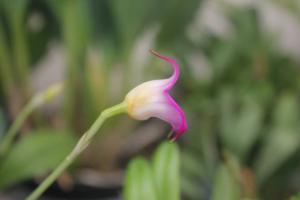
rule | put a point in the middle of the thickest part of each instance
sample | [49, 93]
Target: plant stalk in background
[35, 102]
[6, 75]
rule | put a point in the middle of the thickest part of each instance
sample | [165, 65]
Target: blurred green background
[239, 87]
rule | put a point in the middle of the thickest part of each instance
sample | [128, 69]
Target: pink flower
[152, 99]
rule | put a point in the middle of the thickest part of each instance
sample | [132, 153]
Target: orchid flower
[152, 99]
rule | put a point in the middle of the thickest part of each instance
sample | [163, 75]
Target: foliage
[157, 180]
[249, 110]
[243, 140]
[35, 155]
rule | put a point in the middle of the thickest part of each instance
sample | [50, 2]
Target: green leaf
[130, 17]
[56, 7]
[5, 62]
[276, 151]
[166, 171]
[193, 172]
[16, 9]
[139, 182]
[225, 186]
[240, 129]
[35, 155]
[286, 114]
[76, 30]
[192, 166]
[2, 124]
[296, 197]
[283, 139]
[173, 31]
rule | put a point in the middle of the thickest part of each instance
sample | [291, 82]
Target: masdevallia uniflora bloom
[152, 99]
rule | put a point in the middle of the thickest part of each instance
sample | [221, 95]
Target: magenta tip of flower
[155, 53]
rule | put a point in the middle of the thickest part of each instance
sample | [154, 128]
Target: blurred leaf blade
[166, 171]
[282, 139]
[34, 155]
[2, 124]
[225, 186]
[139, 181]
[241, 121]
[296, 197]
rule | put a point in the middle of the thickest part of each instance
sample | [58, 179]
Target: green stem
[13, 130]
[35, 102]
[21, 54]
[5, 64]
[83, 142]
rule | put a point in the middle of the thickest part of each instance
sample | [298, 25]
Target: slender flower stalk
[36, 101]
[83, 142]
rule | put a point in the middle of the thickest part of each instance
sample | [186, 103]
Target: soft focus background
[239, 87]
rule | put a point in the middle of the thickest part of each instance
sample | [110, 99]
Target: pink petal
[178, 121]
[172, 80]
[164, 107]
[152, 99]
